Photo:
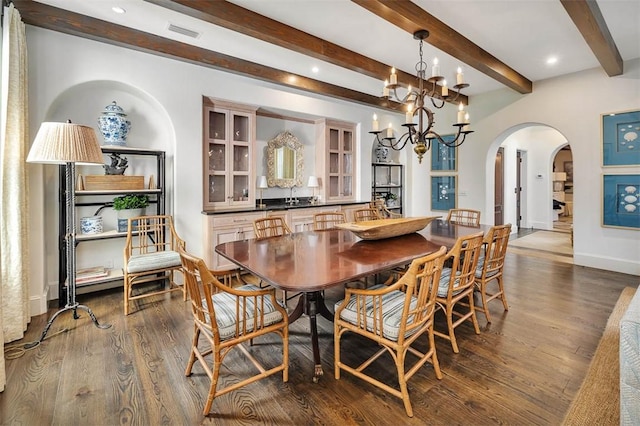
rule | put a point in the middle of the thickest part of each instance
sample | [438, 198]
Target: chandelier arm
[433, 102]
[408, 136]
[458, 140]
[393, 143]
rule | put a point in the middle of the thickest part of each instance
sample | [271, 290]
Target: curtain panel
[14, 213]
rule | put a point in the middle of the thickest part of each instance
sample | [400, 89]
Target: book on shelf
[92, 273]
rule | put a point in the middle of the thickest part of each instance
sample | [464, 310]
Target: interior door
[518, 188]
[498, 212]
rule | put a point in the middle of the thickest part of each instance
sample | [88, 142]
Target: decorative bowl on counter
[387, 228]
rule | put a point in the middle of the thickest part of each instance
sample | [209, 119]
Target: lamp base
[74, 306]
[261, 206]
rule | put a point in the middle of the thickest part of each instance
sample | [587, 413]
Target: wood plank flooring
[524, 368]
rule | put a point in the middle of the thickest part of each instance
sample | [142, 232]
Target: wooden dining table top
[316, 260]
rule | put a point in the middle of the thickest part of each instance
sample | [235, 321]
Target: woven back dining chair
[383, 211]
[226, 318]
[270, 227]
[457, 285]
[464, 217]
[327, 220]
[274, 226]
[365, 214]
[151, 256]
[490, 267]
[394, 317]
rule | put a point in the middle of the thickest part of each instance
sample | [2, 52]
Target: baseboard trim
[607, 263]
[38, 304]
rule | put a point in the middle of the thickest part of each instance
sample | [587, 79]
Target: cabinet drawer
[306, 215]
[234, 219]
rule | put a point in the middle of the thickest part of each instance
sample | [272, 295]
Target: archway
[539, 144]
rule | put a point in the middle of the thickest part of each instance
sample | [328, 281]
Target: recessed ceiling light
[118, 9]
[315, 70]
[552, 60]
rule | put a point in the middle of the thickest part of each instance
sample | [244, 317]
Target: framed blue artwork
[621, 201]
[443, 193]
[621, 139]
[444, 158]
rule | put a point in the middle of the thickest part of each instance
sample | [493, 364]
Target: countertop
[272, 205]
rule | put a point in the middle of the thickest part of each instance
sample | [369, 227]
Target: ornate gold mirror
[285, 162]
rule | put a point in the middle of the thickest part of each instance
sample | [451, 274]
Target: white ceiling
[520, 33]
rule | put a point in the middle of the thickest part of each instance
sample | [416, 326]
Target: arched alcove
[151, 128]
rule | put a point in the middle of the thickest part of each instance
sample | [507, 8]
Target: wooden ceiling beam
[411, 18]
[233, 17]
[587, 17]
[52, 18]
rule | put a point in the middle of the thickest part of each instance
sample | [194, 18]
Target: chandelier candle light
[414, 101]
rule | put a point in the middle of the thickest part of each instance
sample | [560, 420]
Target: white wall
[70, 77]
[572, 105]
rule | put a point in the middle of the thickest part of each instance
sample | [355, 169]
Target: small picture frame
[621, 201]
[443, 157]
[621, 139]
[444, 194]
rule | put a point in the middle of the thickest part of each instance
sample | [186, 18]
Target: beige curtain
[14, 214]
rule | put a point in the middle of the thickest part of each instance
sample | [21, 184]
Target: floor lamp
[68, 144]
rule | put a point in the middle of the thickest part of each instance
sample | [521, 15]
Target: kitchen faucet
[292, 200]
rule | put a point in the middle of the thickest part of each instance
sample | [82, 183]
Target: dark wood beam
[411, 18]
[587, 17]
[228, 15]
[52, 18]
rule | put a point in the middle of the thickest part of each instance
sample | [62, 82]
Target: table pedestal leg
[312, 304]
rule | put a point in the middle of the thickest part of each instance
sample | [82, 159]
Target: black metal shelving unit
[388, 178]
[83, 199]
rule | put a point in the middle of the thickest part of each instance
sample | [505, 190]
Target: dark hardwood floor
[523, 369]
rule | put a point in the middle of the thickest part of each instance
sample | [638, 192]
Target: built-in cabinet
[96, 200]
[228, 154]
[388, 184]
[336, 160]
[225, 227]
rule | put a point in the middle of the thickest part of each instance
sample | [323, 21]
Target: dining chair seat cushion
[443, 285]
[152, 261]
[481, 266]
[392, 302]
[227, 318]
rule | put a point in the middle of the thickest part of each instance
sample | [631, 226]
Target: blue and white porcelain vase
[382, 154]
[114, 125]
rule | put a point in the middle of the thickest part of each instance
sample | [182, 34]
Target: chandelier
[414, 102]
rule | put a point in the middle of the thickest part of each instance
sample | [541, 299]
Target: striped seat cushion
[443, 285]
[392, 303]
[480, 266]
[225, 308]
[153, 261]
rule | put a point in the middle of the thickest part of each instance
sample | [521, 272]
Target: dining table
[310, 262]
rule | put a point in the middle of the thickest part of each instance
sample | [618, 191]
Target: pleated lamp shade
[60, 143]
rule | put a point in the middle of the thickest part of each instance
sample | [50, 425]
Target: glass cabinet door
[228, 139]
[241, 156]
[340, 163]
